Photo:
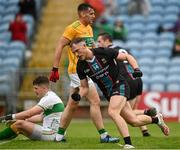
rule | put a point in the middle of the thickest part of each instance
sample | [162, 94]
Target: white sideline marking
[4, 142]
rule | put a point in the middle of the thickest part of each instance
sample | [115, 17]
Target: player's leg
[140, 120]
[143, 129]
[8, 133]
[116, 104]
[96, 116]
[67, 116]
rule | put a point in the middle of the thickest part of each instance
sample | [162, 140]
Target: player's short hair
[106, 36]
[41, 80]
[84, 7]
[76, 41]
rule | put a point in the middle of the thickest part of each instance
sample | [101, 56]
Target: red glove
[54, 76]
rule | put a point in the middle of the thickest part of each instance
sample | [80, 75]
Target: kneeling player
[47, 111]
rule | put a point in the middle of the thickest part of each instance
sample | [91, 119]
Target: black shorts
[139, 86]
[133, 88]
[120, 88]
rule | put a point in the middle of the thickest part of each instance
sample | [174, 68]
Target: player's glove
[6, 118]
[75, 96]
[54, 76]
[137, 73]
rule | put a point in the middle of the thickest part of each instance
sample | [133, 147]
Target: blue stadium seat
[152, 27]
[157, 10]
[137, 19]
[118, 43]
[164, 61]
[8, 18]
[158, 2]
[151, 36]
[17, 45]
[148, 53]
[167, 36]
[165, 44]
[174, 70]
[124, 18]
[135, 36]
[5, 36]
[173, 2]
[173, 87]
[173, 78]
[160, 69]
[12, 62]
[149, 44]
[170, 18]
[2, 54]
[155, 18]
[12, 2]
[137, 27]
[157, 82]
[12, 9]
[172, 9]
[157, 86]
[146, 69]
[133, 45]
[175, 61]
[15, 53]
[4, 27]
[3, 45]
[145, 87]
[163, 53]
[146, 61]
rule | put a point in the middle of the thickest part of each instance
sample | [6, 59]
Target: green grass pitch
[82, 134]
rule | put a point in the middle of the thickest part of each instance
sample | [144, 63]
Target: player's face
[79, 50]
[39, 91]
[89, 16]
[101, 42]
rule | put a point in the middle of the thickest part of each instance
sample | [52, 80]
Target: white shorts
[39, 133]
[75, 81]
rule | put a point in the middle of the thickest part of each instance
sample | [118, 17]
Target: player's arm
[36, 119]
[132, 61]
[29, 113]
[58, 51]
[125, 56]
[24, 114]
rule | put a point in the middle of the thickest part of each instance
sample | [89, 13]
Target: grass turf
[82, 135]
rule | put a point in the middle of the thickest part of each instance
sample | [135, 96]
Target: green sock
[61, 131]
[101, 131]
[7, 133]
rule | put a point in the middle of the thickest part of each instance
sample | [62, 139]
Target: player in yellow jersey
[80, 28]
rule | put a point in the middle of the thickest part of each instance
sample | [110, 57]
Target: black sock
[155, 120]
[127, 140]
[145, 133]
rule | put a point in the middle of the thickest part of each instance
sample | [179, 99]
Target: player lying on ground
[100, 64]
[48, 111]
[135, 84]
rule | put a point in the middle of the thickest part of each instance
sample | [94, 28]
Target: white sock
[103, 135]
[59, 137]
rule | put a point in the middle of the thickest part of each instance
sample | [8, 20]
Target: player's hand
[54, 76]
[137, 73]
[76, 97]
[6, 118]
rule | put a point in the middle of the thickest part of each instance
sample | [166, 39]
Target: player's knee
[134, 122]
[111, 113]
[19, 124]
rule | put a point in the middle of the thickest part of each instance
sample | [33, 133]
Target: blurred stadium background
[20, 63]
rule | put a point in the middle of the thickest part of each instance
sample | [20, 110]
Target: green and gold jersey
[75, 30]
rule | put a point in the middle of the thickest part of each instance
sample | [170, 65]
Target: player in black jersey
[100, 64]
[135, 85]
